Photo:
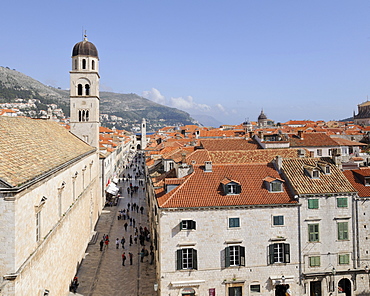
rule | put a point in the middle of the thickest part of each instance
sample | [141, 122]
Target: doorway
[315, 288]
[344, 287]
[235, 291]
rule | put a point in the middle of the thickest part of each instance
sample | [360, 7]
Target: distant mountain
[207, 120]
[125, 110]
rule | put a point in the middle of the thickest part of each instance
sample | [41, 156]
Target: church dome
[85, 48]
[262, 116]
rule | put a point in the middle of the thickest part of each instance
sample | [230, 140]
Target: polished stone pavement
[101, 272]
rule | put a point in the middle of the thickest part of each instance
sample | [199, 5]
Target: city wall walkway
[101, 272]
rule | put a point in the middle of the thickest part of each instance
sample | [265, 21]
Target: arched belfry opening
[87, 89]
[79, 90]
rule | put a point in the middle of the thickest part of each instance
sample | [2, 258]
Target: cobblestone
[101, 272]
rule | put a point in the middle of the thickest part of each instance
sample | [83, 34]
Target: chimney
[183, 156]
[208, 166]
[260, 135]
[300, 134]
[278, 163]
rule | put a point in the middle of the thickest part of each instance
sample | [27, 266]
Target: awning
[112, 189]
[187, 291]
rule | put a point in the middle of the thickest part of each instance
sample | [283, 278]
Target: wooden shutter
[286, 253]
[271, 254]
[242, 256]
[238, 188]
[227, 256]
[195, 260]
[181, 225]
[192, 224]
[179, 259]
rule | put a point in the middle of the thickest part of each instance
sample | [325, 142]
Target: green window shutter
[286, 253]
[181, 225]
[342, 202]
[342, 230]
[195, 260]
[313, 203]
[238, 189]
[192, 224]
[179, 259]
[226, 189]
[242, 256]
[271, 254]
[227, 256]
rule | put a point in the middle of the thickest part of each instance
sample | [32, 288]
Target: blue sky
[227, 59]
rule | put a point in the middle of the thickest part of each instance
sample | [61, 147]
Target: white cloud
[188, 104]
[221, 108]
[154, 95]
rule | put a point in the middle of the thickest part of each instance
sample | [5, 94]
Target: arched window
[87, 115]
[87, 89]
[79, 115]
[83, 64]
[93, 65]
[76, 64]
[79, 90]
[83, 115]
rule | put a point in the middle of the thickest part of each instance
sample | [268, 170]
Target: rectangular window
[186, 259]
[255, 288]
[342, 202]
[276, 186]
[319, 152]
[314, 261]
[313, 203]
[313, 232]
[235, 256]
[343, 259]
[367, 181]
[235, 291]
[279, 253]
[327, 170]
[315, 174]
[38, 222]
[187, 225]
[234, 222]
[231, 188]
[342, 230]
[278, 220]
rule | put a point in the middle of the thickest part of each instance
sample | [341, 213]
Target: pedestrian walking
[123, 259]
[101, 245]
[123, 240]
[133, 222]
[142, 254]
[117, 243]
[131, 240]
[125, 225]
[151, 257]
[130, 256]
[135, 239]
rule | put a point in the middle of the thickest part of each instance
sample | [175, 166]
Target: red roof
[204, 189]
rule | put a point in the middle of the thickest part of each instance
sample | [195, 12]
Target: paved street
[101, 272]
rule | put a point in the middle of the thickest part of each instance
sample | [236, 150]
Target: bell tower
[84, 93]
[143, 134]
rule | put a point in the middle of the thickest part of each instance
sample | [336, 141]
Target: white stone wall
[210, 238]
[51, 262]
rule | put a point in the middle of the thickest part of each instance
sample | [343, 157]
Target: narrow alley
[101, 272]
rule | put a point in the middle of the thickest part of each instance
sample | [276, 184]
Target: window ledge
[237, 281]
[312, 219]
[234, 241]
[342, 218]
[274, 239]
[186, 244]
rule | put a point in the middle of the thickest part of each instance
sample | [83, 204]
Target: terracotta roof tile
[30, 147]
[228, 144]
[335, 182]
[204, 189]
[356, 177]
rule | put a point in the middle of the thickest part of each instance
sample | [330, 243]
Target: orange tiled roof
[345, 142]
[312, 140]
[202, 189]
[335, 182]
[228, 144]
[356, 177]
